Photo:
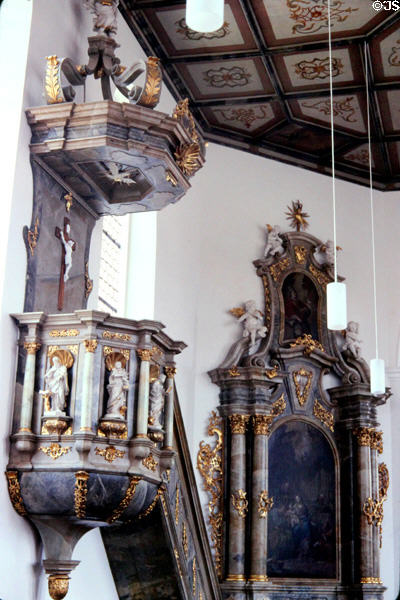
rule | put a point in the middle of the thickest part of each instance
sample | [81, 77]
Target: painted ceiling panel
[261, 82]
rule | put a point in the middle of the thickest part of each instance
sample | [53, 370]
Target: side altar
[295, 482]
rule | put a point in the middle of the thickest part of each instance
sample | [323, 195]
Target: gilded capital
[170, 371]
[32, 347]
[368, 436]
[261, 424]
[90, 345]
[144, 354]
[238, 423]
[58, 586]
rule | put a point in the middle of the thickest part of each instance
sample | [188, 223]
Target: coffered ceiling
[261, 82]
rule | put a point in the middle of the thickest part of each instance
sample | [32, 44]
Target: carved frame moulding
[287, 441]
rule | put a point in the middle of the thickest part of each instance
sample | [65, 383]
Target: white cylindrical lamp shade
[336, 305]
[377, 368]
[204, 15]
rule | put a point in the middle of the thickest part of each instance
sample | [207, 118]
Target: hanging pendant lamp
[335, 291]
[377, 365]
[204, 15]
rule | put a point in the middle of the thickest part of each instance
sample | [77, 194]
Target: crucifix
[68, 246]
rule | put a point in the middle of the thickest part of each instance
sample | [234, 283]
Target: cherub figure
[352, 341]
[56, 382]
[157, 394]
[252, 321]
[118, 384]
[105, 19]
[274, 245]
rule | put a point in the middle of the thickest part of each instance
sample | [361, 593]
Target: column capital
[369, 436]
[238, 423]
[32, 347]
[90, 345]
[144, 354]
[170, 371]
[262, 423]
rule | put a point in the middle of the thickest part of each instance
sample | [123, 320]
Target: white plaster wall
[205, 248]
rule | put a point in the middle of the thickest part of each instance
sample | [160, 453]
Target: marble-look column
[142, 414]
[364, 492]
[29, 387]
[87, 386]
[238, 505]
[261, 503]
[169, 408]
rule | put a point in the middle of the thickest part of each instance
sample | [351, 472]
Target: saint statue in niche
[57, 388]
[157, 395]
[116, 388]
[301, 306]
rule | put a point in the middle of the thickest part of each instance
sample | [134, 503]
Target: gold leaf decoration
[52, 80]
[152, 89]
[187, 158]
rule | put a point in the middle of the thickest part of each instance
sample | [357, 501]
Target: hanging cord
[332, 141]
[371, 198]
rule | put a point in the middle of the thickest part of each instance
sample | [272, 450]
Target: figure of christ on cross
[68, 246]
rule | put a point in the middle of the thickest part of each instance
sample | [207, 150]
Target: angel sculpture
[327, 253]
[353, 342]
[274, 245]
[105, 19]
[116, 174]
[252, 321]
[157, 394]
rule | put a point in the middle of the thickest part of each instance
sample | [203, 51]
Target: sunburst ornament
[296, 216]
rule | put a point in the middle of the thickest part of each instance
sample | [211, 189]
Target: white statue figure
[252, 321]
[274, 245]
[105, 19]
[157, 395]
[116, 388]
[326, 253]
[352, 341]
[68, 248]
[56, 381]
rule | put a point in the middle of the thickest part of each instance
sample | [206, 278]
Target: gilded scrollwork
[185, 544]
[234, 371]
[64, 332]
[150, 508]
[177, 511]
[54, 451]
[265, 503]
[278, 268]
[110, 453]
[309, 344]
[90, 345]
[126, 500]
[210, 465]
[80, 493]
[240, 503]
[150, 463]
[88, 281]
[14, 490]
[300, 254]
[323, 414]
[322, 279]
[302, 382]
[32, 237]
